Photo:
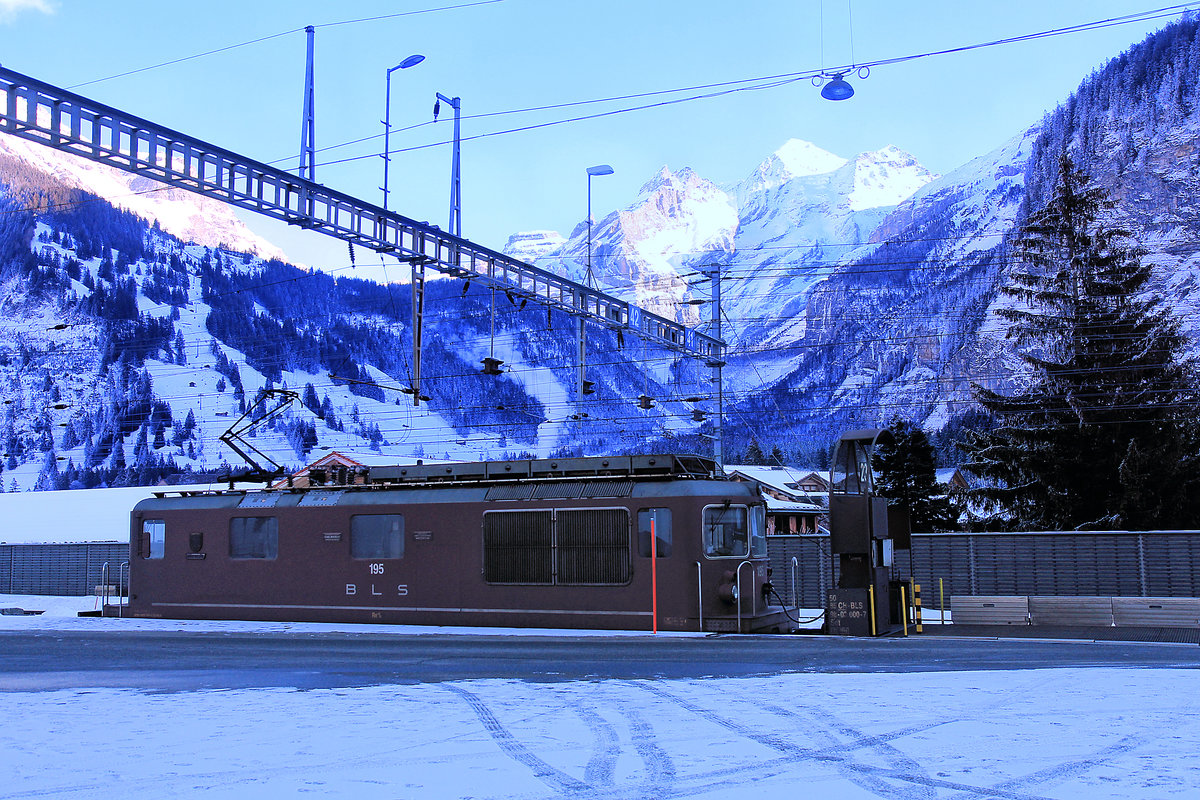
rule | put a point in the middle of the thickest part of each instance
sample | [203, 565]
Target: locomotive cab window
[377, 536]
[253, 537]
[153, 540]
[662, 531]
[726, 531]
[758, 531]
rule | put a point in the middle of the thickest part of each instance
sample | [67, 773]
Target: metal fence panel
[61, 569]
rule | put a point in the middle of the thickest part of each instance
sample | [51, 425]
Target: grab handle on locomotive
[741, 594]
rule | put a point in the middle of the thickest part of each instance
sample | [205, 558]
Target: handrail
[103, 586]
[795, 597]
[700, 595]
[753, 599]
[123, 574]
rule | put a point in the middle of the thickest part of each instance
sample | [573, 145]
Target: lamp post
[583, 386]
[599, 169]
[411, 61]
[455, 174]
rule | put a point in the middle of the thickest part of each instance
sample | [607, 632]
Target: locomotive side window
[726, 531]
[662, 531]
[154, 538]
[253, 537]
[377, 536]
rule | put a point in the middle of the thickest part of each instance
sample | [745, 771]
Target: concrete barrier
[1157, 612]
[994, 610]
[1071, 611]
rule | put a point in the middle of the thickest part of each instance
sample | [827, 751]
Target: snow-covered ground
[1071, 733]
[1092, 733]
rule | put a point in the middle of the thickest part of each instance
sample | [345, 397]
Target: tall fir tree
[1104, 432]
[907, 475]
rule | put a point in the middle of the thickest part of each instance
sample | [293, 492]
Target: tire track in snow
[831, 755]
[898, 760]
[601, 767]
[1069, 769]
[547, 774]
[660, 769]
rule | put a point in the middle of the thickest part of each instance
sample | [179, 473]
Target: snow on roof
[76, 515]
[777, 477]
[788, 507]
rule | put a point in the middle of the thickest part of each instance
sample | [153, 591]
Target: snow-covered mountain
[184, 214]
[775, 234]
[127, 351]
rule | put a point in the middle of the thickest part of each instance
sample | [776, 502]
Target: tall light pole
[455, 176]
[582, 386]
[411, 61]
[599, 169]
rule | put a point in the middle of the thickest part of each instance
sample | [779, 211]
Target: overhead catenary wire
[269, 37]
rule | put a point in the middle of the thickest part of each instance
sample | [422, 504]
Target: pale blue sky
[514, 54]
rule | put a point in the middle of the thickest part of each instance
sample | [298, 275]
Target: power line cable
[269, 37]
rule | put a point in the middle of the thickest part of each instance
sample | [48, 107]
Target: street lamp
[599, 169]
[585, 386]
[455, 176]
[411, 61]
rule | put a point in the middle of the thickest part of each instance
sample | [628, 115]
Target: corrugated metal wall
[1100, 564]
[60, 569]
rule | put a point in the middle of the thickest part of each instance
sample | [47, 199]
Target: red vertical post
[654, 570]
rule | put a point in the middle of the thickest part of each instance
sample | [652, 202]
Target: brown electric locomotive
[561, 543]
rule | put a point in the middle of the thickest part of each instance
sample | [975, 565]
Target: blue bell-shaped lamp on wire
[837, 88]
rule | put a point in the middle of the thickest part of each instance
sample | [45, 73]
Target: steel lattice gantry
[66, 121]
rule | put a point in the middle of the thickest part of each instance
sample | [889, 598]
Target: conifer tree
[1103, 433]
[907, 476]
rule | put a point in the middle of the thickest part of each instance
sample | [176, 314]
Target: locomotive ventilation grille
[565, 548]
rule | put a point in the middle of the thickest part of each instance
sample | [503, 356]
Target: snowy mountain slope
[125, 353]
[798, 211]
[903, 322]
[643, 251]
[187, 215]
[792, 231]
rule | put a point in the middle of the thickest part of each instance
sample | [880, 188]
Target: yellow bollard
[942, 598]
[904, 609]
[917, 607]
[871, 602]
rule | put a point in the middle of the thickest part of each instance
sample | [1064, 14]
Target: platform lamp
[411, 61]
[584, 386]
[599, 169]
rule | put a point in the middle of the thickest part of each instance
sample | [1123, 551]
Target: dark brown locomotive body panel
[522, 552]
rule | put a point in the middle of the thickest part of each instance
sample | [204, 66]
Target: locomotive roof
[535, 479]
[359, 495]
